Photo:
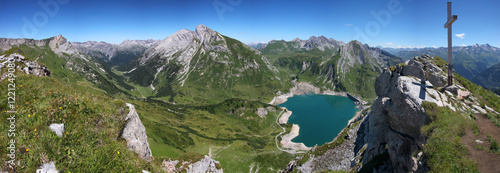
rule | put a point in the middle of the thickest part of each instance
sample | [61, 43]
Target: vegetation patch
[444, 150]
[494, 147]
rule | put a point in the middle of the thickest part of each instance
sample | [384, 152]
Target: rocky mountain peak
[202, 28]
[206, 34]
[59, 39]
[55, 42]
[296, 40]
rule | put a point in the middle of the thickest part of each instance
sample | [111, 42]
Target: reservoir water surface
[320, 117]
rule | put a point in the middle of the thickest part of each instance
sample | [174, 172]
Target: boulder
[206, 164]
[48, 168]
[437, 80]
[414, 68]
[452, 89]
[135, 134]
[261, 112]
[57, 128]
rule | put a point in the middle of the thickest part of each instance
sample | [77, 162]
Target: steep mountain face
[331, 64]
[468, 61]
[489, 78]
[204, 66]
[115, 54]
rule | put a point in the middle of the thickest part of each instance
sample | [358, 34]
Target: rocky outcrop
[206, 164]
[135, 134]
[424, 69]
[394, 123]
[397, 116]
[27, 66]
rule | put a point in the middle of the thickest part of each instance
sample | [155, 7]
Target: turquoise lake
[320, 117]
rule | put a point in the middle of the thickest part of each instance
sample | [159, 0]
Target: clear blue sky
[414, 23]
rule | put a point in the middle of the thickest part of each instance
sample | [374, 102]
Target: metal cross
[450, 21]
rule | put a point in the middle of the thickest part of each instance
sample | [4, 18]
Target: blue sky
[388, 23]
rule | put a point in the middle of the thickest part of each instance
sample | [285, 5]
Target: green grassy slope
[93, 114]
[230, 131]
[92, 125]
[71, 68]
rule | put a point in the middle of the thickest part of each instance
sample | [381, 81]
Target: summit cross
[450, 21]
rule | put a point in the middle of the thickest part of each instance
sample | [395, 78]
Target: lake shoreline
[303, 88]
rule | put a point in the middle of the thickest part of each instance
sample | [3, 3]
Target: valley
[207, 99]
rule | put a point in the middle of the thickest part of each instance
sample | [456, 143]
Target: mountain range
[330, 64]
[197, 101]
[115, 54]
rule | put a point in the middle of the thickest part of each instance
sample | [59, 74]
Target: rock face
[394, 123]
[135, 134]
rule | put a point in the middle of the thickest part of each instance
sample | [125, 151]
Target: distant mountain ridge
[331, 64]
[116, 54]
[489, 78]
[468, 61]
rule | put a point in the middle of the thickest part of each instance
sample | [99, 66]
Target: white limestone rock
[57, 128]
[135, 134]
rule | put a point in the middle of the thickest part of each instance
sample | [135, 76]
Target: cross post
[450, 21]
